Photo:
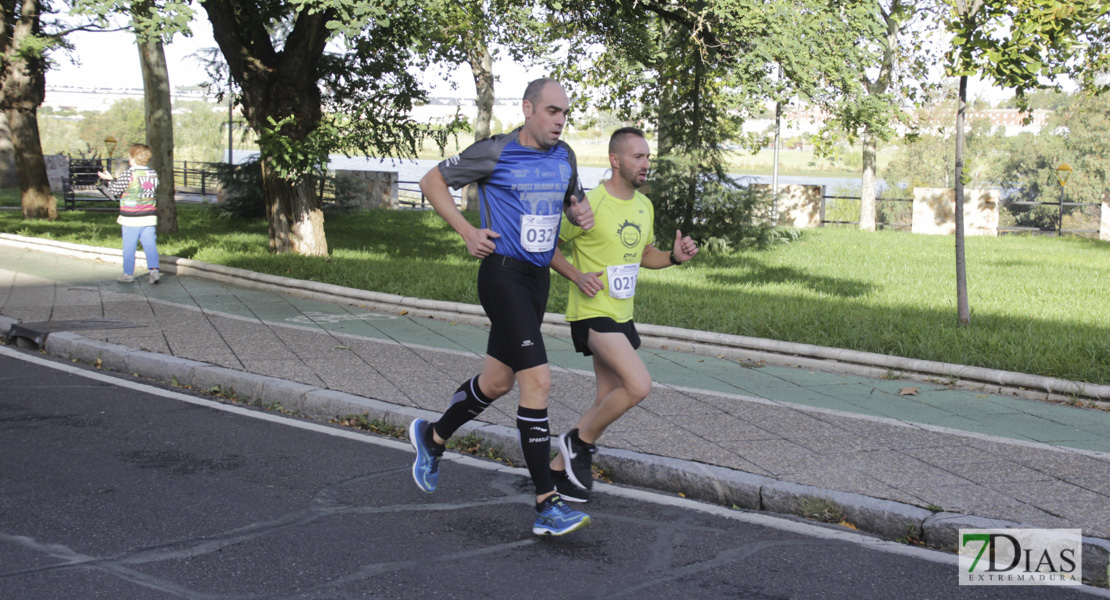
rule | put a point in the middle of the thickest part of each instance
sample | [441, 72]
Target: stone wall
[372, 189]
[798, 205]
[934, 211]
[1104, 229]
[57, 171]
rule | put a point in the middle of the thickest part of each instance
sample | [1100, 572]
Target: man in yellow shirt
[603, 270]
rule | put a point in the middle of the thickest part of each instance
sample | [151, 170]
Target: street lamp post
[1063, 172]
[110, 144]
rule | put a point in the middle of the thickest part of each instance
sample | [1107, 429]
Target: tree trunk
[9, 178]
[295, 214]
[159, 128]
[34, 186]
[963, 311]
[279, 86]
[481, 65]
[22, 92]
[867, 184]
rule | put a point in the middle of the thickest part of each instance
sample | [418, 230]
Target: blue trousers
[131, 237]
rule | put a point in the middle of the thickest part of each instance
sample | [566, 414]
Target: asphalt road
[113, 488]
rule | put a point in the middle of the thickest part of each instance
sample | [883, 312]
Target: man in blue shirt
[527, 180]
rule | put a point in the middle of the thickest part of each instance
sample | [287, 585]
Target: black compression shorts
[580, 332]
[514, 296]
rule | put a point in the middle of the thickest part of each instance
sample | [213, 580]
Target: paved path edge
[656, 336]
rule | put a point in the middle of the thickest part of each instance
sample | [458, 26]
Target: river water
[411, 170]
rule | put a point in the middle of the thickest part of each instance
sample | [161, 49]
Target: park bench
[83, 178]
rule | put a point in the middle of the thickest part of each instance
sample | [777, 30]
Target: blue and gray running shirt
[521, 191]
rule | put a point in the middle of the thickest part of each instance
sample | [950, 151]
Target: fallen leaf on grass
[908, 391]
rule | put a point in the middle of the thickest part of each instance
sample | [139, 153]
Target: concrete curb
[654, 336]
[718, 485]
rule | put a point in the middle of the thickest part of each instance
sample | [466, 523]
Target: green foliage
[59, 136]
[695, 72]
[148, 18]
[925, 159]
[1076, 136]
[1029, 45]
[723, 210]
[200, 132]
[124, 120]
[242, 187]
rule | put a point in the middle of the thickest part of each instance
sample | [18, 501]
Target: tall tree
[698, 70]
[304, 102]
[900, 77]
[472, 32]
[22, 90]
[154, 23]
[1023, 46]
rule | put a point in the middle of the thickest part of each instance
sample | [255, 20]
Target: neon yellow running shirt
[613, 247]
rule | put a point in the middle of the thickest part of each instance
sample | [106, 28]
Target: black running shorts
[514, 296]
[580, 332]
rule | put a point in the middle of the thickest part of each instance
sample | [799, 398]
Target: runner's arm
[589, 283]
[684, 249]
[478, 241]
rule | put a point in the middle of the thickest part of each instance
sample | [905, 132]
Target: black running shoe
[579, 458]
[567, 489]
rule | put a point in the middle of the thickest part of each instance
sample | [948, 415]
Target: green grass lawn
[1038, 303]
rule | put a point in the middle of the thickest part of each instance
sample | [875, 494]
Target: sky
[97, 50]
[111, 60]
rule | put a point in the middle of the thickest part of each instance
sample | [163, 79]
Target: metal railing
[879, 222]
[1059, 229]
[196, 177]
[199, 177]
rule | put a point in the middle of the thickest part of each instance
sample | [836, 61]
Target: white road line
[753, 518]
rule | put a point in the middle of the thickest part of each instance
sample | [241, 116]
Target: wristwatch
[675, 261]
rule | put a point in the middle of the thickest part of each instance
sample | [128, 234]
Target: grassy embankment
[1038, 303]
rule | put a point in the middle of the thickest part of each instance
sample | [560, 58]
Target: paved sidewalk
[902, 458]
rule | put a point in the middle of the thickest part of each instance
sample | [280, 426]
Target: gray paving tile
[1052, 492]
[838, 443]
[293, 370]
[720, 428]
[850, 481]
[220, 358]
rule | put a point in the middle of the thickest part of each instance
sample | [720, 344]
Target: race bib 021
[622, 280]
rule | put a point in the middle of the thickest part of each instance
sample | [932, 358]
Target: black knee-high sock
[535, 443]
[467, 403]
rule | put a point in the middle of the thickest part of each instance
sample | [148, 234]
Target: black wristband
[675, 261]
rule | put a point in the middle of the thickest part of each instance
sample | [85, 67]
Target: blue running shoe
[555, 517]
[425, 469]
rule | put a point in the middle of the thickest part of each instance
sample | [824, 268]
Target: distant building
[1013, 119]
[796, 120]
[79, 99]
